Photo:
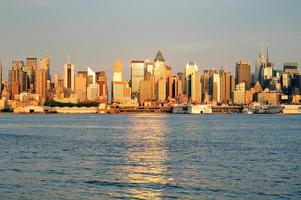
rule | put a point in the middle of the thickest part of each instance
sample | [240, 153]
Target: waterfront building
[239, 93]
[137, 75]
[69, 83]
[268, 97]
[243, 72]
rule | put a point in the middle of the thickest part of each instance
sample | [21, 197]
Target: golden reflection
[146, 156]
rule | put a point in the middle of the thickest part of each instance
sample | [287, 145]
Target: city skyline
[207, 32]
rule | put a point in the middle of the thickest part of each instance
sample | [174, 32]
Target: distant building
[243, 73]
[81, 87]
[216, 87]
[193, 82]
[291, 67]
[102, 82]
[137, 75]
[239, 93]
[69, 77]
[41, 80]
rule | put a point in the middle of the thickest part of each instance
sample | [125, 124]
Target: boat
[291, 109]
[191, 109]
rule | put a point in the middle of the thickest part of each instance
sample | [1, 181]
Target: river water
[150, 156]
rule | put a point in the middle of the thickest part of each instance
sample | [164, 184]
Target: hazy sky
[96, 32]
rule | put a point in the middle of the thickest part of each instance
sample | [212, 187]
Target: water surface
[150, 156]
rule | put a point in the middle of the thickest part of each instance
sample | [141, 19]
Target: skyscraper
[120, 89]
[69, 76]
[30, 69]
[216, 96]
[193, 82]
[41, 79]
[117, 74]
[225, 87]
[45, 64]
[102, 81]
[159, 73]
[16, 78]
[243, 73]
[137, 75]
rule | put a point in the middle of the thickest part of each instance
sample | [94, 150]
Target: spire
[267, 52]
[68, 59]
[261, 50]
[159, 56]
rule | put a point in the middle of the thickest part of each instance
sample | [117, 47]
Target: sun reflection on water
[146, 157]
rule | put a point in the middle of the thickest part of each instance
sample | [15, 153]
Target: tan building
[243, 72]
[41, 79]
[239, 94]
[271, 98]
[193, 82]
[69, 83]
[81, 87]
[161, 89]
[137, 75]
[226, 88]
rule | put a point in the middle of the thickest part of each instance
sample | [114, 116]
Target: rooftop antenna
[261, 49]
[267, 52]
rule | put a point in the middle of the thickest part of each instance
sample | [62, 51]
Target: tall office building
[216, 90]
[102, 81]
[159, 74]
[59, 86]
[243, 73]
[81, 87]
[16, 79]
[291, 67]
[225, 79]
[193, 82]
[30, 69]
[45, 64]
[91, 76]
[41, 79]
[260, 61]
[137, 75]
[121, 92]
[117, 73]
[69, 76]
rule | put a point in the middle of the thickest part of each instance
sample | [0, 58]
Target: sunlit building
[193, 82]
[137, 75]
[243, 73]
[69, 77]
